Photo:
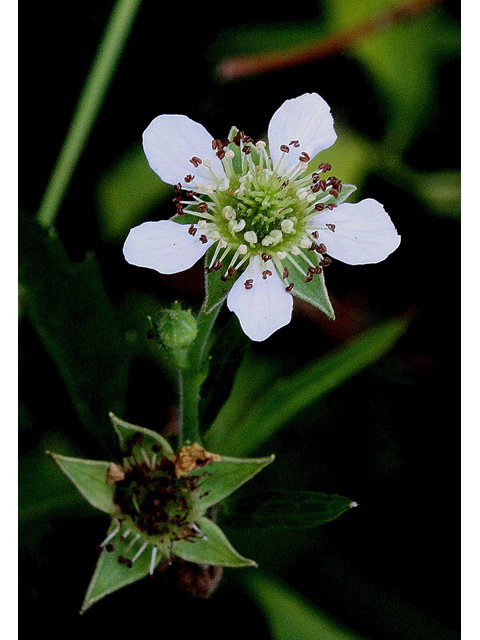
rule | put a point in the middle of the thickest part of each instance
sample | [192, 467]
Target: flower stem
[88, 107]
[192, 378]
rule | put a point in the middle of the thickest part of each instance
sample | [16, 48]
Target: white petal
[165, 246]
[264, 308]
[306, 119]
[364, 233]
[171, 141]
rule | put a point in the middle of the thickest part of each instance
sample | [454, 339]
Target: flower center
[159, 503]
[257, 209]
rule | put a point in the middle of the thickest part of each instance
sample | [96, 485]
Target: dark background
[387, 438]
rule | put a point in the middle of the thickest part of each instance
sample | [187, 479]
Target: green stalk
[88, 107]
[192, 378]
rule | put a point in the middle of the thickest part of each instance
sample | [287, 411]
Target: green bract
[160, 504]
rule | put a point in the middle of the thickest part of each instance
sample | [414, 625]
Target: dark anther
[248, 139]
[295, 143]
[208, 270]
[326, 261]
[195, 161]
[246, 150]
[313, 246]
[231, 272]
[323, 185]
[315, 235]
[315, 177]
[304, 157]
[324, 166]
[203, 207]
[319, 207]
[266, 256]
[203, 239]
[179, 209]
[312, 270]
[289, 288]
[248, 284]
[266, 273]
[316, 187]
[322, 248]
[331, 227]
[215, 144]
[223, 277]
[285, 273]
[156, 448]
[331, 206]
[220, 154]
[192, 230]
[189, 178]
[309, 278]
[190, 194]
[217, 265]
[178, 187]
[318, 270]
[109, 547]
[284, 148]
[334, 193]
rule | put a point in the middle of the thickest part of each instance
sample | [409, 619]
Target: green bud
[177, 328]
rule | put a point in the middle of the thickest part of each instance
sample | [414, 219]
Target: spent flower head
[161, 506]
[267, 223]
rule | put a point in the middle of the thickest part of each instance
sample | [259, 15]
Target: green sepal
[346, 192]
[216, 290]
[89, 476]
[110, 575]
[127, 431]
[222, 478]
[285, 509]
[314, 292]
[213, 548]
[185, 218]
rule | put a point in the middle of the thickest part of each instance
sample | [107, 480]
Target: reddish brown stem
[250, 65]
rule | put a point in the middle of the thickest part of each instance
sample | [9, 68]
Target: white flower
[264, 215]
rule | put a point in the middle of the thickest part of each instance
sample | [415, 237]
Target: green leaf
[77, 324]
[252, 415]
[110, 575]
[222, 478]
[214, 549]
[127, 431]
[314, 292]
[290, 617]
[285, 509]
[89, 476]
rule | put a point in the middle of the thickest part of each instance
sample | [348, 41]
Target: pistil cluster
[258, 209]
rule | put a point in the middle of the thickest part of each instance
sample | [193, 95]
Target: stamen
[139, 552]
[136, 537]
[145, 457]
[111, 535]
[295, 264]
[152, 560]
[195, 161]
